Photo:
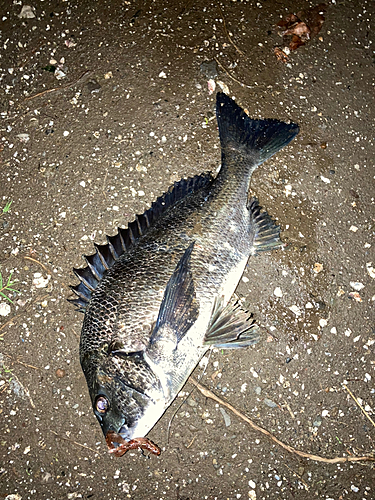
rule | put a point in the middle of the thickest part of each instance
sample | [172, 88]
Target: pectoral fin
[179, 308]
[230, 326]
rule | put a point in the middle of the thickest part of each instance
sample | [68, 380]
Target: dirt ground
[103, 105]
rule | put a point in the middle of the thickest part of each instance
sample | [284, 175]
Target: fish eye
[102, 404]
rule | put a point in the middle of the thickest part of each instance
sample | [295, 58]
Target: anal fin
[231, 326]
[266, 232]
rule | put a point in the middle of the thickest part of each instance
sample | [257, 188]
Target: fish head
[126, 396]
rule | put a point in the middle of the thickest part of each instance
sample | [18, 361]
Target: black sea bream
[157, 296]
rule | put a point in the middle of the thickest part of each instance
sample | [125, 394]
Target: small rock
[270, 403]
[59, 74]
[357, 286]
[318, 421]
[39, 281]
[317, 267]
[211, 85]
[93, 86]
[355, 296]
[27, 12]
[370, 269]
[4, 309]
[226, 417]
[23, 137]
[278, 292]
[60, 373]
[209, 69]
[295, 309]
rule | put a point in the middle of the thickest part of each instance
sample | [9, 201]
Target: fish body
[157, 297]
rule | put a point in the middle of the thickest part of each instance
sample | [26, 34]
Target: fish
[159, 294]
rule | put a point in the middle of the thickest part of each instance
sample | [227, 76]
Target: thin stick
[37, 262]
[299, 477]
[26, 391]
[74, 442]
[58, 88]
[206, 392]
[9, 322]
[359, 404]
[227, 33]
[21, 363]
[231, 76]
[191, 442]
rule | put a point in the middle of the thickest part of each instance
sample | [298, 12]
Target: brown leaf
[280, 54]
[296, 42]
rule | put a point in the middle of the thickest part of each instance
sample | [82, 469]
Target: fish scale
[157, 296]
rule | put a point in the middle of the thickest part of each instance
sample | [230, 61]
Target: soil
[80, 155]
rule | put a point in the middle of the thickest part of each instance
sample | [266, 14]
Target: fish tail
[250, 141]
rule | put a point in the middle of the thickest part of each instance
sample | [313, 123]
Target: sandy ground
[80, 155]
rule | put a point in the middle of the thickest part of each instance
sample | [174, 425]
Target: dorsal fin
[117, 245]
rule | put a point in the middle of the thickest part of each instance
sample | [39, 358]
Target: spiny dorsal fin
[117, 245]
[266, 233]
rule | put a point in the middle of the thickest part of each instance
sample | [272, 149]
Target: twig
[191, 442]
[37, 262]
[26, 391]
[227, 33]
[8, 322]
[58, 88]
[4, 387]
[231, 76]
[206, 392]
[74, 442]
[104, 182]
[21, 363]
[359, 404]
[299, 477]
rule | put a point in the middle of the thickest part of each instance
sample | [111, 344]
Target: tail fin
[257, 139]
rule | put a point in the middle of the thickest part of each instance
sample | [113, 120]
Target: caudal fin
[257, 139]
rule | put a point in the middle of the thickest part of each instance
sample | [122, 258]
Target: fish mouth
[113, 438]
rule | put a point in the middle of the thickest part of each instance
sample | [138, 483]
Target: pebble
[27, 12]
[317, 267]
[370, 269]
[355, 296]
[357, 286]
[60, 373]
[278, 292]
[270, 403]
[209, 69]
[295, 309]
[318, 421]
[4, 309]
[39, 281]
[226, 417]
